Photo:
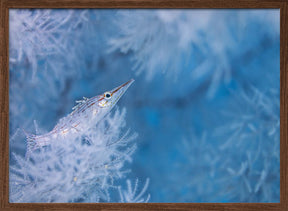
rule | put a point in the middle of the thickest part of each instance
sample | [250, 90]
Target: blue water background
[177, 116]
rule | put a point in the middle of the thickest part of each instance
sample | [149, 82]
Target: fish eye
[107, 95]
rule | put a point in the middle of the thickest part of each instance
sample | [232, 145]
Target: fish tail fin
[31, 143]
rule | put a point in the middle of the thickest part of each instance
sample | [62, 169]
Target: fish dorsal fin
[80, 102]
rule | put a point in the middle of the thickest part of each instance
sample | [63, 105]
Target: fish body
[88, 111]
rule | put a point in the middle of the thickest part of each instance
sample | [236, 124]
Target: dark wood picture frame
[4, 102]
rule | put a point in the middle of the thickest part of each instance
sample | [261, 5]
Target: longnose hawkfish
[87, 111]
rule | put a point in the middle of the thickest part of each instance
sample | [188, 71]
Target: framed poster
[136, 105]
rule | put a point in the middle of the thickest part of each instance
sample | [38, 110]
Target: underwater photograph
[144, 105]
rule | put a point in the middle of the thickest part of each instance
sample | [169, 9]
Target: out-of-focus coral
[36, 35]
[240, 162]
[253, 130]
[201, 43]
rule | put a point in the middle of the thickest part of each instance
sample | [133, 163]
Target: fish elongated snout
[122, 88]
